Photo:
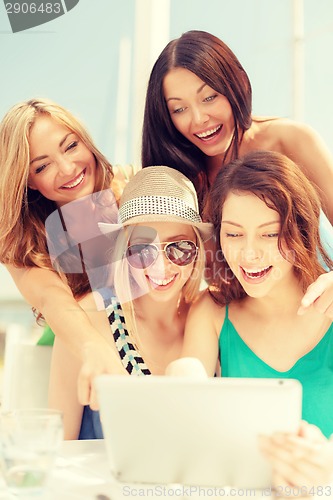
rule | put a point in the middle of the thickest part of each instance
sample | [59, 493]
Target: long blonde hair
[126, 288]
[23, 211]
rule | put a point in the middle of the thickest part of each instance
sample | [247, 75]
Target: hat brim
[205, 228]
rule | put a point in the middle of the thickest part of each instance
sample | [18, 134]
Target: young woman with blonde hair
[158, 262]
[47, 160]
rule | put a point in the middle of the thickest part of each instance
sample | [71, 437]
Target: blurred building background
[96, 59]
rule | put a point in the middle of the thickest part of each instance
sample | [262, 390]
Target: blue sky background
[75, 60]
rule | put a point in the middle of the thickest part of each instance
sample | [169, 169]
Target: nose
[251, 251]
[199, 115]
[65, 166]
[160, 264]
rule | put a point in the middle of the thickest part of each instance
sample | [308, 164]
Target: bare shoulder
[206, 306]
[204, 300]
[291, 133]
[274, 128]
[286, 136]
[306, 147]
[287, 126]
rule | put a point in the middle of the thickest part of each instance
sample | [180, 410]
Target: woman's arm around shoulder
[202, 331]
[319, 295]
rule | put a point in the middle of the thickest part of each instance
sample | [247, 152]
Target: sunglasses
[143, 255]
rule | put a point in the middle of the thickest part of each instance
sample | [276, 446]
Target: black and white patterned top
[91, 427]
[130, 358]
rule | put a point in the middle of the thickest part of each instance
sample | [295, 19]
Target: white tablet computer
[163, 430]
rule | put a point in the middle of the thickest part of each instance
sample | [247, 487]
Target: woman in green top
[265, 215]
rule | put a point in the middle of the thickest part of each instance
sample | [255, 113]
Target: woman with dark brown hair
[265, 215]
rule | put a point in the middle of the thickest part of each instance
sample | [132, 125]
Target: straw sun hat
[159, 194]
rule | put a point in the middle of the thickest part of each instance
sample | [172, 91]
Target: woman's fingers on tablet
[301, 460]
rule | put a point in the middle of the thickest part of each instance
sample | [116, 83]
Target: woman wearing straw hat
[158, 262]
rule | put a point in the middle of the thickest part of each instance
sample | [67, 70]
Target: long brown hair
[23, 211]
[213, 62]
[280, 183]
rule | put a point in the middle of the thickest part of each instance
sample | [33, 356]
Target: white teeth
[255, 273]
[161, 282]
[258, 270]
[75, 183]
[208, 133]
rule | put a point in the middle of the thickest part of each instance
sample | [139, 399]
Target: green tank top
[314, 371]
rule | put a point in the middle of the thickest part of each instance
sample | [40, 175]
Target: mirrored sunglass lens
[181, 252]
[141, 256]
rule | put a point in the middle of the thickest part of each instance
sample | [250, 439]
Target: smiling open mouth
[162, 282]
[75, 182]
[209, 134]
[256, 273]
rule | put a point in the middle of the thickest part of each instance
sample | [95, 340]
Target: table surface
[82, 473]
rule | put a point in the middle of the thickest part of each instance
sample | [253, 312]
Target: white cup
[30, 440]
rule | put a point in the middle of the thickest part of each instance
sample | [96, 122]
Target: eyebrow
[180, 98]
[45, 156]
[239, 225]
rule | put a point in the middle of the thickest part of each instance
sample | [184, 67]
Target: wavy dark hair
[214, 63]
[280, 183]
